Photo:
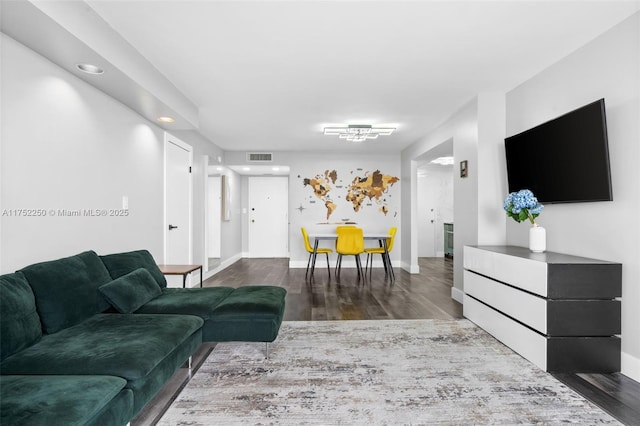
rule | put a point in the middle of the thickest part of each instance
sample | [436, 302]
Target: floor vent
[259, 156]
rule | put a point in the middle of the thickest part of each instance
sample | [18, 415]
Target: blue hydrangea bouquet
[522, 205]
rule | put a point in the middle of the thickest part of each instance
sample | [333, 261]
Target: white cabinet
[556, 310]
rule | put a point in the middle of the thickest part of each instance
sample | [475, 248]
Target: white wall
[608, 67]
[66, 145]
[462, 128]
[477, 131]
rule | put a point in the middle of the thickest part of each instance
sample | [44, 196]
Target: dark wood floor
[410, 296]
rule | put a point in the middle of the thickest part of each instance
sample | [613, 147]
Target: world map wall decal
[363, 190]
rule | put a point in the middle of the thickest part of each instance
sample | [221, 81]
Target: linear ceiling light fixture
[358, 132]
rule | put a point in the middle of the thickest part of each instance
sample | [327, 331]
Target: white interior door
[178, 160]
[426, 216]
[268, 216]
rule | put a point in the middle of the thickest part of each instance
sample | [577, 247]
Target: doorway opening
[435, 201]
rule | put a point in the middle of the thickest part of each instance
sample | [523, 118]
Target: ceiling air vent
[260, 157]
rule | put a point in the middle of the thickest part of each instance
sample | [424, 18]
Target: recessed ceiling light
[90, 69]
[246, 169]
[275, 169]
[166, 119]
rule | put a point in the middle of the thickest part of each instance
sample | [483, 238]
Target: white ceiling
[271, 74]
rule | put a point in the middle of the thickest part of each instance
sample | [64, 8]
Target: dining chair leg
[338, 265]
[308, 263]
[359, 266]
[392, 274]
[328, 267]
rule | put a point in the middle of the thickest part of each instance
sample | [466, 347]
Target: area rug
[430, 372]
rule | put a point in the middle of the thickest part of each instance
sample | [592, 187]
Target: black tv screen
[565, 160]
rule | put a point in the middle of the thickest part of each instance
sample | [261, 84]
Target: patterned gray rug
[431, 372]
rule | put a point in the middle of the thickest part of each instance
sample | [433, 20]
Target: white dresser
[556, 310]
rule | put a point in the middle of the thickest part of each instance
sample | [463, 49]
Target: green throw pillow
[129, 292]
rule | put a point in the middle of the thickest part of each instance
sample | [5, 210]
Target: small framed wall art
[464, 169]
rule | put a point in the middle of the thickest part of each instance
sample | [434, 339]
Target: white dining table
[381, 237]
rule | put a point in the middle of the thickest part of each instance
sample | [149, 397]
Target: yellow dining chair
[350, 242]
[309, 248]
[386, 260]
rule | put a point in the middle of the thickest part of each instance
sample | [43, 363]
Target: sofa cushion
[123, 345]
[19, 322]
[131, 291]
[64, 400]
[190, 301]
[120, 264]
[66, 290]
[256, 299]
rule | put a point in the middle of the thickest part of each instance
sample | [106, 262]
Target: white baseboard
[295, 264]
[457, 295]
[410, 268]
[223, 265]
[630, 366]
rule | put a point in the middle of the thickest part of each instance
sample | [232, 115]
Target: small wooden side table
[183, 270]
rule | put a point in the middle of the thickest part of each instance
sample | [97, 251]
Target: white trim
[297, 264]
[223, 265]
[412, 269]
[630, 366]
[205, 185]
[457, 295]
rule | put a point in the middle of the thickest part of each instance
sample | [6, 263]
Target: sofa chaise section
[248, 313]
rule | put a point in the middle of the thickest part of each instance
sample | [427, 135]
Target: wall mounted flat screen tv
[564, 160]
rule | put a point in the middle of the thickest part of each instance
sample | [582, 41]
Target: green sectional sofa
[90, 340]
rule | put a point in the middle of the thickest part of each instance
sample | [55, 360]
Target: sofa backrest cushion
[19, 321]
[129, 292]
[120, 264]
[66, 290]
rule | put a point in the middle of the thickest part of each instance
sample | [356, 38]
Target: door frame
[169, 138]
[207, 211]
